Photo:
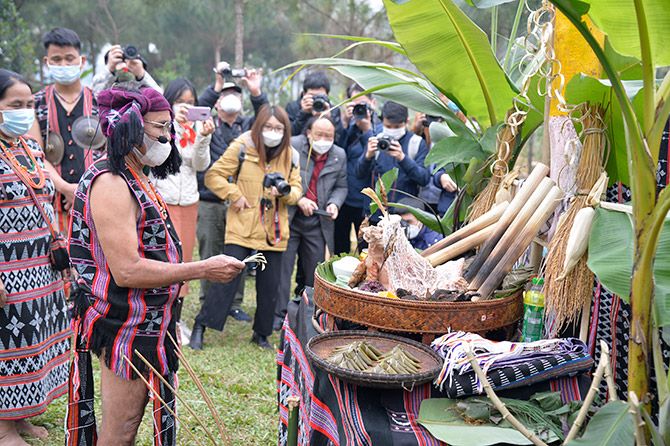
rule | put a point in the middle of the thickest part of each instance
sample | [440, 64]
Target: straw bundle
[487, 198]
[565, 297]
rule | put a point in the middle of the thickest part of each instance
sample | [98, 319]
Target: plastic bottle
[533, 312]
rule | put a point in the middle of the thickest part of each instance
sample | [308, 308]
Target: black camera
[229, 74]
[321, 103]
[360, 111]
[384, 142]
[130, 52]
[278, 181]
[428, 120]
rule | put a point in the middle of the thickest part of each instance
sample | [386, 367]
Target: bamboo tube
[461, 247]
[293, 412]
[609, 377]
[521, 242]
[534, 180]
[584, 326]
[482, 222]
[504, 411]
[511, 232]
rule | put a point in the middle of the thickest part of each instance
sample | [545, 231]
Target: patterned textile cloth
[34, 325]
[333, 412]
[119, 320]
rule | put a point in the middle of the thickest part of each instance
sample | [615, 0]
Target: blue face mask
[65, 74]
[16, 123]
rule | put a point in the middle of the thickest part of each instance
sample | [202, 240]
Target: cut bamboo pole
[293, 403]
[504, 411]
[584, 326]
[512, 232]
[609, 376]
[461, 247]
[634, 410]
[522, 197]
[482, 222]
[521, 242]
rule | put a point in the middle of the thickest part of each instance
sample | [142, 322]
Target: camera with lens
[384, 142]
[428, 120]
[229, 74]
[275, 179]
[321, 103]
[360, 111]
[130, 52]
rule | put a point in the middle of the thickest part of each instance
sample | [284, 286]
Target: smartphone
[198, 113]
[321, 212]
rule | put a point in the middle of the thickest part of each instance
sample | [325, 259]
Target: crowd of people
[98, 234]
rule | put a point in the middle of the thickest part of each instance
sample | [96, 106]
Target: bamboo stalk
[293, 403]
[521, 242]
[590, 396]
[460, 247]
[634, 410]
[512, 231]
[208, 401]
[609, 376]
[522, 197]
[504, 411]
[584, 326]
[482, 222]
[161, 400]
[173, 390]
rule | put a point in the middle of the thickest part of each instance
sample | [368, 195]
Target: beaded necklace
[25, 172]
[149, 189]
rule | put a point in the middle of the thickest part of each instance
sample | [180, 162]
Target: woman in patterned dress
[129, 260]
[34, 325]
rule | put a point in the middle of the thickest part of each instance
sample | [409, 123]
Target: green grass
[238, 376]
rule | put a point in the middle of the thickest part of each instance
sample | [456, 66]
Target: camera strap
[266, 205]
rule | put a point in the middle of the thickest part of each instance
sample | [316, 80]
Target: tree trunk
[239, 33]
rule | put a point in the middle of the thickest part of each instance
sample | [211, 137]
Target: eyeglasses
[163, 126]
[269, 128]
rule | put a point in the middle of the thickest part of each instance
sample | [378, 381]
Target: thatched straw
[566, 298]
[487, 198]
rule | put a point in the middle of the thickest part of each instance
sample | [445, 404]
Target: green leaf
[440, 416]
[627, 67]
[454, 54]
[387, 179]
[393, 46]
[611, 425]
[483, 4]
[455, 149]
[548, 401]
[424, 217]
[618, 20]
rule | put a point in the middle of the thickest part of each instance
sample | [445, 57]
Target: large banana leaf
[617, 19]
[454, 54]
[483, 4]
[611, 425]
[610, 257]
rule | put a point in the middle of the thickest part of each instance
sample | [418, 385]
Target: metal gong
[86, 133]
[54, 148]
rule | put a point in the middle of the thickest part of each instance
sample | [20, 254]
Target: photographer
[396, 147]
[226, 98]
[324, 182]
[361, 123]
[257, 176]
[313, 101]
[123, 64]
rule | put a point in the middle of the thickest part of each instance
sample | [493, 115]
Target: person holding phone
[193, 131]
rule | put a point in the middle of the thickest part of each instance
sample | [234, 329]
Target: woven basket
[408, 316]
[321, 347]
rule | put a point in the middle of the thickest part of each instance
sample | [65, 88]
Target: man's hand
[364, 124]
[207, 127]
[135, 66]
[372, 148]
[68, 192]
[114, 58]
[306, 103]
[218, 83]
[3, 295]
[333, 211]
[395, 151]
[253, 81]
[307, 206]
[222, 268]
[447, 183]
[240, 205]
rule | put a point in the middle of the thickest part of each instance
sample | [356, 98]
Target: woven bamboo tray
[321, 347]
[407, 316]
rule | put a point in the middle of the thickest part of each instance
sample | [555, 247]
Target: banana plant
[636, 28]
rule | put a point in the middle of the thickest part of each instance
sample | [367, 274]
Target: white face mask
[156, 152]
[395, 133]
[272, 138]
[230, 103]
[322, 146]
[413, 231]
[65, 74]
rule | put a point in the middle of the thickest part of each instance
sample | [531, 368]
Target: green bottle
[533, 312]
